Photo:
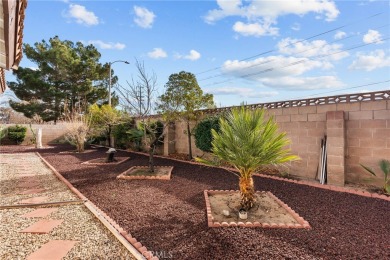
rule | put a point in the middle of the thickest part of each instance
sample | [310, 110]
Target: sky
[240, 51]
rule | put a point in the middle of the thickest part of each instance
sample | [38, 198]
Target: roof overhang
[12, 13]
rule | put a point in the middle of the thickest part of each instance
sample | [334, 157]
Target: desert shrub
[17, 133]
[202, 132]
[78, 130]
[134, 136]
[122, 138]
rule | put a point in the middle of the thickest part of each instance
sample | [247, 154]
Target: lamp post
[110, 82]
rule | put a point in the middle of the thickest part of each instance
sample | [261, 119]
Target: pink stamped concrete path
[40, 213]
[53, 250]
[31, 191]
[34, 200]
[43, 226]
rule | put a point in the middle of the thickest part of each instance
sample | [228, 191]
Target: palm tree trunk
[247, 191]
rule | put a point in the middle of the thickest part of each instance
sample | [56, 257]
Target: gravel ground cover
[79, 224]
[170, 217]
[55, 190]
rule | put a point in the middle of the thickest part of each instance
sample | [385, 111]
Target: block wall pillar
[169, 139]
[335, 130]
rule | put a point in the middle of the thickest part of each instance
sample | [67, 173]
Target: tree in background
[104, 118]
[68, 77]
[182, 100]
[137, 98]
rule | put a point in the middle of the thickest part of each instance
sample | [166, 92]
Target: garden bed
[143, 173]
[170, 217]
[103, 161]
[267, 212]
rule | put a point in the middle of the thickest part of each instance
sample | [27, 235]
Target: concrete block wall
[358, 133]
[368, 141]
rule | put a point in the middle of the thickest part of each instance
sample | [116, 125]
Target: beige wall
[50, 133]
[361, 136]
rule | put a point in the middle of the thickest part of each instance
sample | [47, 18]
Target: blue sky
[240, 51]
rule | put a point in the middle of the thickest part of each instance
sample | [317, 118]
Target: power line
[332, 91]
[298, 62]
[308, 38]
[314, 48]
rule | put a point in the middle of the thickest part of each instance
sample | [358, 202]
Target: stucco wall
[50, 133]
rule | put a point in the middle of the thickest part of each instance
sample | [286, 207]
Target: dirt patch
[138, 172]
[265, 210]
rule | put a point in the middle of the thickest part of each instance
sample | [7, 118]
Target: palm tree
[247, 141]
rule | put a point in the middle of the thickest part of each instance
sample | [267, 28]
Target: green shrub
[121, 136]
[158, 130]
[17, 133]
[202, 132]
[135, 137]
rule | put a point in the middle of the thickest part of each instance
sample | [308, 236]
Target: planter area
[223, 210]
[170, 217]
[142, 173]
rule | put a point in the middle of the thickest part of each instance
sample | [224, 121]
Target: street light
[109, 84]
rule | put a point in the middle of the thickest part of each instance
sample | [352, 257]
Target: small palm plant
[385, 167]
[247, 141]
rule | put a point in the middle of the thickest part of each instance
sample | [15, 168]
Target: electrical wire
[308, 38]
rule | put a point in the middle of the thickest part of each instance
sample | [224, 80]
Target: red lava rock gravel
[169, 217]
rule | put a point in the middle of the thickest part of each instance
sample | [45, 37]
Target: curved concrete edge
[130, 243]
[300, 182]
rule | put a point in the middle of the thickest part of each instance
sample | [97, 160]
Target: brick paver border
[119, 161]
[210, 219]
[124, 175]
[141, 251]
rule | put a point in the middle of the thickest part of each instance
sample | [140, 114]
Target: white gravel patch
[79, 224]
[11, 170]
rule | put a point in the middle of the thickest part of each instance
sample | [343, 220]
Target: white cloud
[296, 27]
[372, 36]
[242, 92]
[265, 13]
[82, 15]
[143, 17]
[157, 53]
[271, 66]
[255, 29]
[374, 60]
[318, 48]
[107, 45]
[193, 55]
[303, 83]
[339, 35]
[280, 72]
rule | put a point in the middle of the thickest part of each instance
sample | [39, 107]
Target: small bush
[120, 134]
[202, 133]
[134, 136]
[17, 133]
